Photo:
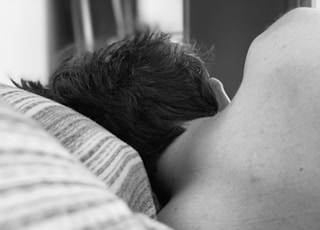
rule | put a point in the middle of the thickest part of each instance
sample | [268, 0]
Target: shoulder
[287, 52]
[293, 23]
[292, 39]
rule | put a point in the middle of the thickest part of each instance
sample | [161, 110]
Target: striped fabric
[110, 159]
[43, 187]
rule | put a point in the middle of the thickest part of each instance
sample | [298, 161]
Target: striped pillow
[42, 186]
[110, 159]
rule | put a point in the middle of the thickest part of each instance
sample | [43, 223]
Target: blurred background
[34, 32]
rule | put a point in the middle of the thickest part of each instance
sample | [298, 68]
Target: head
[142, 89]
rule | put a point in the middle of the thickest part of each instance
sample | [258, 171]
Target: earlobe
[222, 97]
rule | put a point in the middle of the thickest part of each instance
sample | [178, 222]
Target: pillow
[117, 164]
[42, 186]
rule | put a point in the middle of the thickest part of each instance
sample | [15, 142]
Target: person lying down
[252, 163]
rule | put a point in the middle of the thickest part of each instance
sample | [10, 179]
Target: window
[165, 15]
[24, 38]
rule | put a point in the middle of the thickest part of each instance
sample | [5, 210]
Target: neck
[179, 164]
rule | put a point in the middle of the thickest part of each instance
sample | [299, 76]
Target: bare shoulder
[282, 70]
[301, 23]
[289, 47]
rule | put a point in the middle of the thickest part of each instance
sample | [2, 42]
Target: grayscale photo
[159, 115]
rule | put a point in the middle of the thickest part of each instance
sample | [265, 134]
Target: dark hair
[142, 89]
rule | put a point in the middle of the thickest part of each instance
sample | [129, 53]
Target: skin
[255, 165]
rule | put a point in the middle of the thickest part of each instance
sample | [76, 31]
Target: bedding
[43, 186]
[114, 162]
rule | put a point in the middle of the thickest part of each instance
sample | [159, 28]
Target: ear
[222, 97]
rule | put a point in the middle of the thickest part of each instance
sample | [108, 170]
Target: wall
[231, 25]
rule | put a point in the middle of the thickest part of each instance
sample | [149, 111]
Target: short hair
[142, 89]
